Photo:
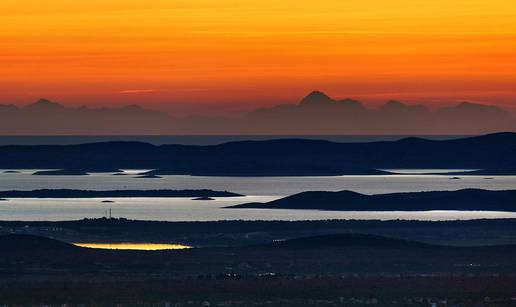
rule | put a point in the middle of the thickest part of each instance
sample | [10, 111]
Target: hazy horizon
[229, 108]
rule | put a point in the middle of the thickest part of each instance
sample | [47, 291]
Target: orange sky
[173, 54]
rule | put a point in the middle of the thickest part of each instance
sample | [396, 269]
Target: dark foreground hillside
[339, 254]
[240, 233]
[334, 268]
[268, 291]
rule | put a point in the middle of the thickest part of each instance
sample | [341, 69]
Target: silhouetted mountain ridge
[280, 157]
[48, 117]
[316, 113]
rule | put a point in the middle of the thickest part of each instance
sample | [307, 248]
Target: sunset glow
[247, 53]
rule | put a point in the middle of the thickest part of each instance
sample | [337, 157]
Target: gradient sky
[191, 56]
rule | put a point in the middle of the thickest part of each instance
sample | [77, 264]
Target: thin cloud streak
[138, 91]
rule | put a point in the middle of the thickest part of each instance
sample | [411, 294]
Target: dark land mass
[494, 153]
[148, 176]
[203, 198]
[335, 254]
[269, 171]
[240, 233]
[11, 172]
[339, 269]
[466, 199]
[485, 172]
[229, 290]
[75, 172]
[70, 193]
[61, 172]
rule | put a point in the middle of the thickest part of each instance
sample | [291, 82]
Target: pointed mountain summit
[43, 105]
[316, 98]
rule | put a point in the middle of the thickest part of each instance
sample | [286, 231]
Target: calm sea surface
[259, 189]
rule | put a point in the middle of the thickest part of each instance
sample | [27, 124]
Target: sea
[255, 189]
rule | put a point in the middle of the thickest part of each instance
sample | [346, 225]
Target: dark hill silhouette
[332, 254]
[62, 172]
[335, 270]
[467, 199]
[282, 157]
[29, 244]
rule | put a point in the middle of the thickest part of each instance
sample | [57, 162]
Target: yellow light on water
[133, 246]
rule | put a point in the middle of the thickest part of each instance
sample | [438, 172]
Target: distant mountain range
[493, 153]
[315, 114]
[318, 112]
[46, 117]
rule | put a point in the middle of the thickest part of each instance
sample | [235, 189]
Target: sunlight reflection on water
[133, 246]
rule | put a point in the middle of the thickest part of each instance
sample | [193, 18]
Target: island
[484, 172]
[75, 172]
[273, 170]
[61, 172]
[462, 200]
[204, 198]
[71, 193]
[148, 176]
